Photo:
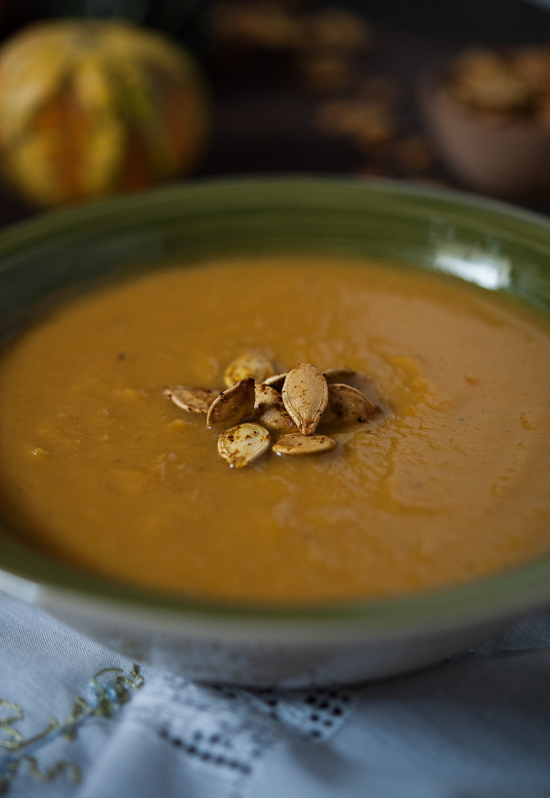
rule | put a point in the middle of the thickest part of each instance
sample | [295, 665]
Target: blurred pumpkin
[90, 108]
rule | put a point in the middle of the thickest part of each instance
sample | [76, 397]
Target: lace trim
[220, 727]
[231, 729]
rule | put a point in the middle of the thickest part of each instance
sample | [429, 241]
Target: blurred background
[436, 92]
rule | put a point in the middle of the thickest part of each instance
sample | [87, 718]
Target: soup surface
[448, 483]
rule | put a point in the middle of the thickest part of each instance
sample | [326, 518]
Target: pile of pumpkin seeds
[262, 410]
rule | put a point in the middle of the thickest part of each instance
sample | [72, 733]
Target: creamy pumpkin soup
[436, 476]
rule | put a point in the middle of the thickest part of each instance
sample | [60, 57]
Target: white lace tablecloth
[474, 727]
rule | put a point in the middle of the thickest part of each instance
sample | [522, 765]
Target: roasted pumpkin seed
[233, 405]
[248, 365]
[338, 375]
[296, 443]
[194, 400]
[305, 396]
[242, 444]
[347, 405]
[270, 411]
[276, 381]
[290, 404]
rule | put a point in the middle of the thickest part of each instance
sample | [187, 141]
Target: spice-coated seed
[248, 365]
[296, 443]
[270, 411]
[243, 444]
[338, 375]
[233, 405]
[347, 405]
[276, 381]
[305, 396]
[194, 400]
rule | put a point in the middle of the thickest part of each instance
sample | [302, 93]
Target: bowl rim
[514, 590]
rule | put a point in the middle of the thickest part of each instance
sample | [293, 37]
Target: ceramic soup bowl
[499, 247]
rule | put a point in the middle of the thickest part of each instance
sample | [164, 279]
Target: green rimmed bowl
[496, 246]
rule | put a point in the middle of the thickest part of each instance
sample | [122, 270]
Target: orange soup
[446, 484]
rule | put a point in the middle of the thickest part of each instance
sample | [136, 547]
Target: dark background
[491, 21]
[264, 120]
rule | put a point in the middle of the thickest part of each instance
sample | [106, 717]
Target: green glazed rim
[386, 219]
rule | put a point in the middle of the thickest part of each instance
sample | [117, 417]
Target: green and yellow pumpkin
[90, 108]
